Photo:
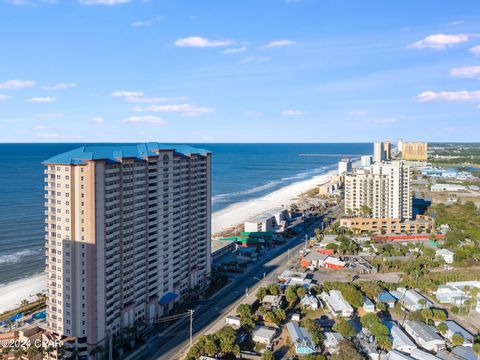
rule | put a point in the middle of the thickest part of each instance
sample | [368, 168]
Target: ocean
[240, 172]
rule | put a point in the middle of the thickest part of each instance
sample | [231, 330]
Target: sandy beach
[13, 293]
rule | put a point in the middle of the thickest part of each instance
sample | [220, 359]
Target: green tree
[347, 351]
[267, 355]
[274, 289]
[457, 339]
[261, 293]
[476, 349]
[443, 328]
[315, 331]
[344, 327]
[227, 337]
[291, 295]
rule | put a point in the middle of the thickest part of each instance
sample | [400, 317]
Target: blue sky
[239, 70]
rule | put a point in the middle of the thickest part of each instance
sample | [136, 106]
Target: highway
[174, 343]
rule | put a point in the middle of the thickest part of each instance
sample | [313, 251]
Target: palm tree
[422, 303]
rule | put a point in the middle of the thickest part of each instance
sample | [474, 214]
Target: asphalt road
[174, 344]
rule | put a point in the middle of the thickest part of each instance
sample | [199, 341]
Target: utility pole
[191, 327]
[246, 292]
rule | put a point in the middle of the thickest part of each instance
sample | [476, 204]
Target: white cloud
[60, 86]
[97, 120]
[293, 112]
[384, 121]
[20, 2]
[279, 43]
[458, 22]
[43, 99]
[441, 41]
[17, 84]
[55, 136]
[103, 2]
[475, 50]
[258, 59]
[3, 97]
[201, 42]
[184, 109]
[146, 23]
[147, 100]
[50, 115]
[448, 96]
[234, 50]
[466, 71]
[357, 113]
[39, 127]
[125, 93]
[147, 119]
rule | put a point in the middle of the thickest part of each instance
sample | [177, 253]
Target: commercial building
[421, 224]
[344, 166]
[383, 189]
[417, 151]
[447, 188]
[127, 234]
[424, 335]
[268, 221]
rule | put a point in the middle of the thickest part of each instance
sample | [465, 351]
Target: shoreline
[229, 217]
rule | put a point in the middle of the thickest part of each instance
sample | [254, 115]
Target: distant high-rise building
[127, 234]
[382, 151]
[382, 188]
[400, 145]
[378, 152]
[366, 160]
[415, 151]
[344, 166]
[387, 147]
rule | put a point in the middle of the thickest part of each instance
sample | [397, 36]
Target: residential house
[331, 341]
[368, 306]
[424, 335]
[310, 302]
[387, 298]
[400, 340]
[411, 299]
[455, 292]
[263, 334]
[337, 304]
[301, 339]
[272, 302]
[289, 277]
[397, 355]
[446, 254]
[455, 328]
[333, 262]
[465, 353]
[422, 355]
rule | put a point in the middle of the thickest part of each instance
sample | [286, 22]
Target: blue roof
[167, 298]
[113, 152]
[386, 297]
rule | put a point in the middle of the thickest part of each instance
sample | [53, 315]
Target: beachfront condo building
[127, 236]
[415, 151]
[379, 191]
[382, 151]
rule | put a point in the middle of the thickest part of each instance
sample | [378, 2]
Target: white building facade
[384, 188]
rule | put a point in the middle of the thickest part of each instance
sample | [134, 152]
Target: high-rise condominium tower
[127, 234]
[383, 189]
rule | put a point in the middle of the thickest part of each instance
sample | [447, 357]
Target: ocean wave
[18, 256]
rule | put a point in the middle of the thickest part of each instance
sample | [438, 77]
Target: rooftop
[114, 152]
